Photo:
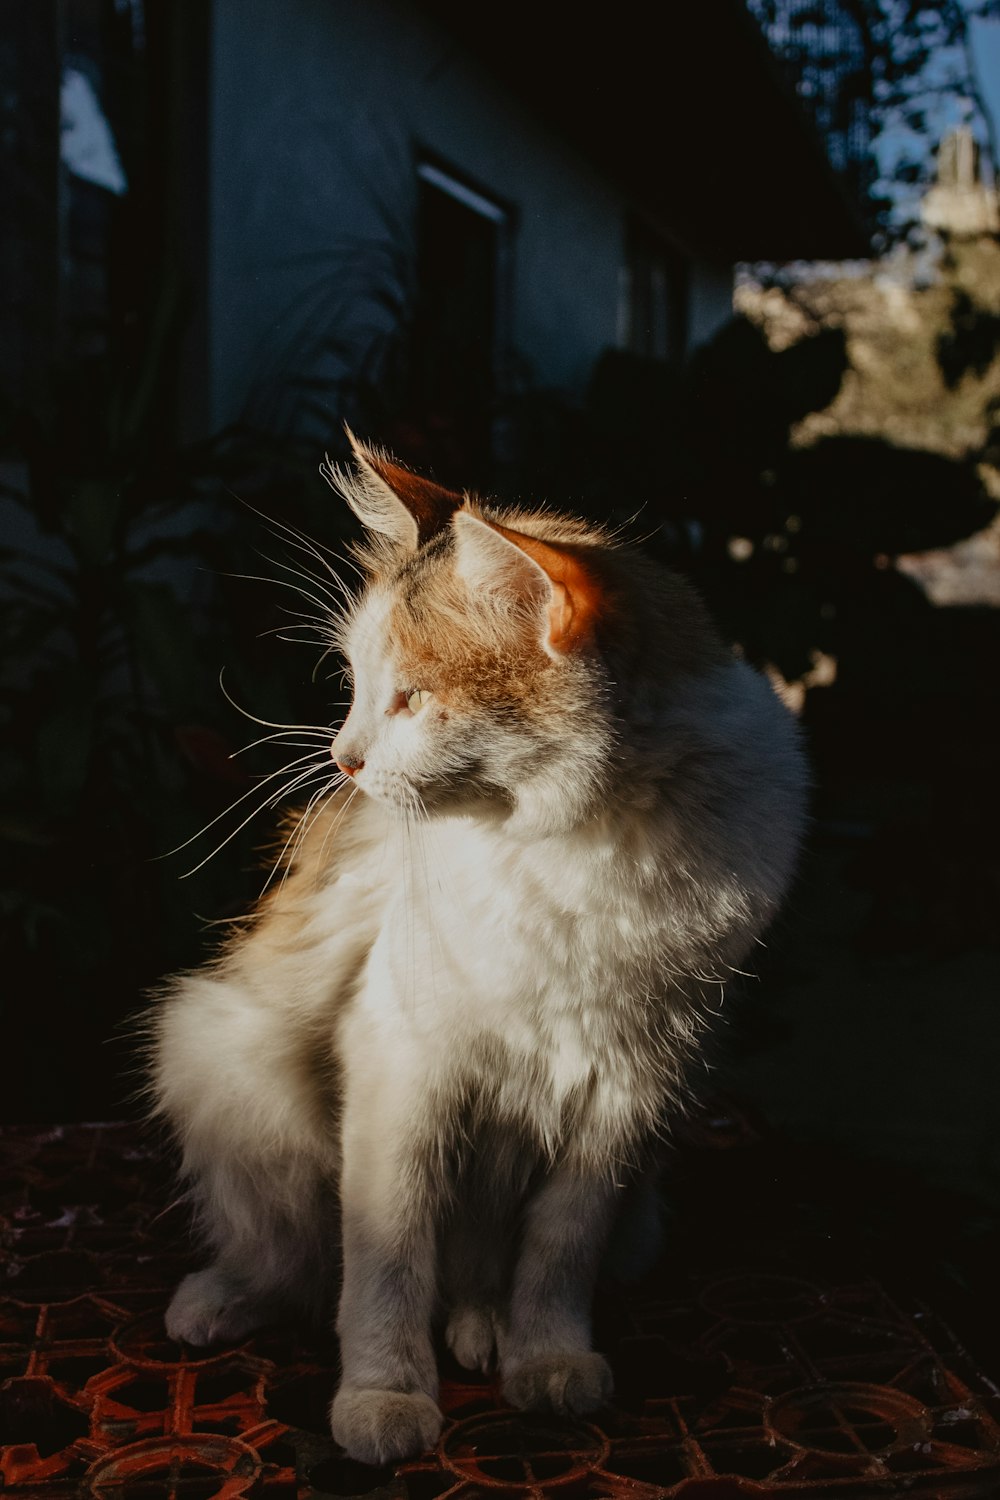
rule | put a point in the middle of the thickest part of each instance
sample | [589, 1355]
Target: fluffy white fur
[432, 1069]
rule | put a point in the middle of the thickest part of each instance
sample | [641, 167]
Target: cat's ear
[551, 579]
[389, 499]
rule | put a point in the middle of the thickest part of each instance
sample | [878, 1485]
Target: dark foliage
[131, 582]
[971, 343]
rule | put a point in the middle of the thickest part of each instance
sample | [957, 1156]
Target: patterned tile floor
[766, 1355]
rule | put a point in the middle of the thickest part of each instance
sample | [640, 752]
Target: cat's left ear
[390, 499]
[552, 579]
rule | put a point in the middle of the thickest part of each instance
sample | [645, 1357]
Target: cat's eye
[416, 700]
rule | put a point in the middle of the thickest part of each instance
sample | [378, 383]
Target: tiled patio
[766, 1355]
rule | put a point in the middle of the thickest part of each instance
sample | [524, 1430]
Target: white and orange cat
[431, 1071]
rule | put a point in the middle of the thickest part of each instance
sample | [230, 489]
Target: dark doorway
[461, 254]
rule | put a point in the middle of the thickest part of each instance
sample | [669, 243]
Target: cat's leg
[545, 1354]
[386, 1407]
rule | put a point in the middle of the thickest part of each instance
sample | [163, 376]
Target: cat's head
[482, 653]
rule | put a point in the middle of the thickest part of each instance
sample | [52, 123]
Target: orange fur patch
[577, 594]
[430, 504]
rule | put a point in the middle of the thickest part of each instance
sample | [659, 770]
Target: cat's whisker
[321, 731]
[295, 837]
[317, 550]
[336, 821]
[309, 633]
[320, 768]
[283, 583]
[335, 603]
[231, 836]
[332, 585]
[330, 606]
[280, 632]
[270, 801]
[315, 671]
[301, 622]
[306, 543]
[340, 600]
[291, 744]
[295, 640]
[319, 623]
[329, 583]
[332, 786]
[251, 791]
[254, 719]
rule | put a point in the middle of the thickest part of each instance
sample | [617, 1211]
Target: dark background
[131, 526]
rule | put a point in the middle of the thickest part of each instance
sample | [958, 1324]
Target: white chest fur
[539, 958]
[496, 929]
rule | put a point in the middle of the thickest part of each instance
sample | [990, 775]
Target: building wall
[318, 110]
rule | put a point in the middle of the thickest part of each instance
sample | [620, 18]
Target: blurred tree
[892, 71]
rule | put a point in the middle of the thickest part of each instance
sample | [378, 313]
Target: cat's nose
[349, 764]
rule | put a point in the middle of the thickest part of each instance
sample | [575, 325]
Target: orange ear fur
[430, 504]
[577, 596]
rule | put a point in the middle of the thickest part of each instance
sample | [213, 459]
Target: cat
[435, 1065]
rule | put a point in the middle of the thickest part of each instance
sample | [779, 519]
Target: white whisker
[279, 632]
[300, 780]
[305, 543]
[333, 604]
[257, 787]
[315, 671]
[267, 723]
[321, 731]
[282, 583]
[321, 624]
[333, 585]
[295, 837]
[336, 822]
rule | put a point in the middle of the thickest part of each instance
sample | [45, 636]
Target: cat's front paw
[377, 1427]
[570, 1384]
[207, 1308]
[471, 1337]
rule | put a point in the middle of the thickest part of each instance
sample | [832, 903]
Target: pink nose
[349, 767]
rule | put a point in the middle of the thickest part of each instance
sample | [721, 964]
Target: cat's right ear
[390, 499]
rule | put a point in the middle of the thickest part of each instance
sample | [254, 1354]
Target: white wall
[318, 108]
